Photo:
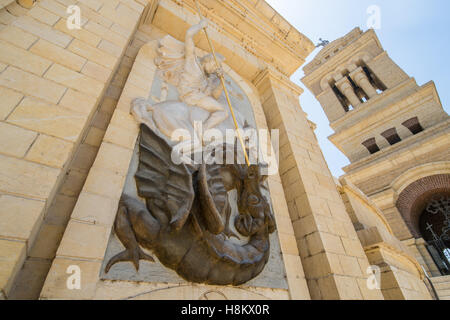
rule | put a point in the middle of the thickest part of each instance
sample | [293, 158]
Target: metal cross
[322, 43]
[430, 228]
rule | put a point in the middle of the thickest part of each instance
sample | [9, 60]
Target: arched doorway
[425, 207]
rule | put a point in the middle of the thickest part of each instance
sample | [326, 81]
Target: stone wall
[86, 238]
[398, 273]
[52, 81]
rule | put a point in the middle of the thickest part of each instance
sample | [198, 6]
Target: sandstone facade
[68, 138]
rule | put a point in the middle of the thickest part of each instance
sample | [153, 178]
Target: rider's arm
[189, 41]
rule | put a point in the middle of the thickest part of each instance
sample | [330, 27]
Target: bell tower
[394, 132]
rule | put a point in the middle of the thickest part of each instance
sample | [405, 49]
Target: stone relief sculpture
[199, 88]
[185, 214]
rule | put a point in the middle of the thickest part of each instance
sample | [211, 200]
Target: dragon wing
[159, 179]
[170, 60]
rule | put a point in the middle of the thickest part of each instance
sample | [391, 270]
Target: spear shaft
[222, 80]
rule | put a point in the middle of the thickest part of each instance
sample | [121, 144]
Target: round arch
[413, 199]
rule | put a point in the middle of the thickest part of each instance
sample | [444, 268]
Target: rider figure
[200, 84]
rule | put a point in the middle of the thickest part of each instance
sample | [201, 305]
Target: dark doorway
[434, 225]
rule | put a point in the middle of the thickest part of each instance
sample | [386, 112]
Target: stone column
[362, 81]
[346, 88]
[331, 105]
[332, 256]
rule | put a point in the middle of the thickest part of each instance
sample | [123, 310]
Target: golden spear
[222, 79]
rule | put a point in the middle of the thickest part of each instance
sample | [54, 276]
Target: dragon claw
[129, 255]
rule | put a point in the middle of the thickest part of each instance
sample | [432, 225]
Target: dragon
[186, 216]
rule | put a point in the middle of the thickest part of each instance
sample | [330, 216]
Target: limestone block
[42, 30]
[85, 241]
[393, 294]
[25, 178]
[331, 105]
[110, 48]
[122, 15]
[17, 36]
[96, 71]
[293, 266]
[288, 244]
[47, 241]
[101, 120]
[31, 85]
[73, 183]
[48, 119]
[104, 183]
[348, 288]
[332, 243]
[93, 15]
[95, 209]
[43, 15]
[60, 210]
[92, 53]
[78, 102]
[367, 293]
[55, 286]
[50, 151]
[30, 280]
[94, 137]
[74, 80]
[19, 217]
[106, 33]
[314, 243]
[350, 266]
[316, 266]
[15, 141]
[80, 35]
[328, 288]
[108, 105]
[121, 137]
[353, 247]
[113, 158]
[84, 157]
[57, 54]
[95, 4]
[298, 289]
[12, 255]
[335, 264]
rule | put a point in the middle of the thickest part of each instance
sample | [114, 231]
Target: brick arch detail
[413, 198]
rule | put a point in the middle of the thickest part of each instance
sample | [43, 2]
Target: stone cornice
[282, 80]
[396, 252]
[407, 145]
[254, 25]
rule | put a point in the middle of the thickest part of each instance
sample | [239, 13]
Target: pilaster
[333, 259]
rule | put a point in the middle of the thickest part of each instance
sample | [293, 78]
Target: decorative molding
[279, 78]
[255, 26]
[149, 12]
[348, 187]
[27, 3]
